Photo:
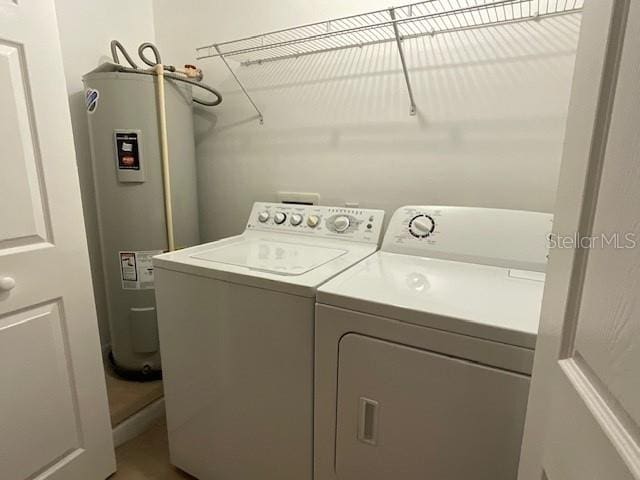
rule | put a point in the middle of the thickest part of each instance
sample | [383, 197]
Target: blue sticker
[91, 98]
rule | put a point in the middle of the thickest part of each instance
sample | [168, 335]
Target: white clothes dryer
[424, 350]
[236, 323]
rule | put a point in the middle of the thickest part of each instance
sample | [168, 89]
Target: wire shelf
[395, 24]
[428, 17]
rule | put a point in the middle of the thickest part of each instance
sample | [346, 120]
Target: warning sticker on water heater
[136, 269]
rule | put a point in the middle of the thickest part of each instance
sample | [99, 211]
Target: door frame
[589, 117]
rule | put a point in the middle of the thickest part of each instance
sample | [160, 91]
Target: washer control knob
[279, 218]
[296, 219]
[263, 216]
[421, 226]
[341, 224]
[313, 221]
[6, 284]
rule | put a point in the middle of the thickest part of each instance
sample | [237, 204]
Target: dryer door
[405, 414]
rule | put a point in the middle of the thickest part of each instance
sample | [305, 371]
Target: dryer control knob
[341, 224]
[421, 226]
[313, 221]
[263, 216]
[279, 218]
[296, 219]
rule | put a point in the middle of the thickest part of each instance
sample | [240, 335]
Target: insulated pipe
[182, 76]
[115, 46]
[164, 153]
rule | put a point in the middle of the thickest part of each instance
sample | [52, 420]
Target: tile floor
[146, 457]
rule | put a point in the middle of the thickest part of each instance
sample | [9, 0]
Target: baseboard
[138, 423]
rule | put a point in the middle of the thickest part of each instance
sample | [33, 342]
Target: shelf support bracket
[244, 90]
[412, 108]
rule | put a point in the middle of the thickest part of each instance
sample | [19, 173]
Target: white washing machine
[236, 323]
[424, 350]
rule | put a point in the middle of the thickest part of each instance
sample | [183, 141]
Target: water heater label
[129, 164]
[128, 152]
[136, 269]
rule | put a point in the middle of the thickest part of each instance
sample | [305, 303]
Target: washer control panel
[488, 236]
[354, 224]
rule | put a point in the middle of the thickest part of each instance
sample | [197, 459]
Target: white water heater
[126, 152]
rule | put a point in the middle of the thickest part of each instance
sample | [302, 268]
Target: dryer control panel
[489, 236]
[353, 224]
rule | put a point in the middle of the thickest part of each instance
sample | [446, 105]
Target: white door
[583, 420]
[54, 420]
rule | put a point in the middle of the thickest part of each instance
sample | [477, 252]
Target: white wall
[492, 105]
[86, 29]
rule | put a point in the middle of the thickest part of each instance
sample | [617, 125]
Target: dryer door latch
[368, 421]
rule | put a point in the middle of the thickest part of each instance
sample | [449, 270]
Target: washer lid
[264, 255]
[493, 303]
